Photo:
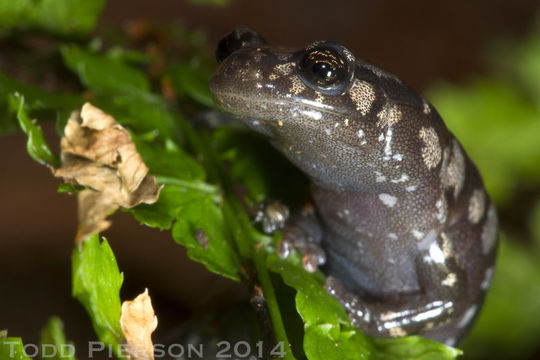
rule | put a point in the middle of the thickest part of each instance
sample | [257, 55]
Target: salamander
[401, 225]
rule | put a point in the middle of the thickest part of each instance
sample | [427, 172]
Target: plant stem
[271, 301]
[243, 233]
[195, 185]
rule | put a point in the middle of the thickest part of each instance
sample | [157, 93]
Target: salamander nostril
[239, 38]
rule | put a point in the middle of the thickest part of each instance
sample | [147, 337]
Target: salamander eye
[239, 38]
[327, 67]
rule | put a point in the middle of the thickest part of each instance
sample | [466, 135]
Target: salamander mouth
[264, 109]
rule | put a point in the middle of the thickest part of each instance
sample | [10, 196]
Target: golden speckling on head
[476, 206]
[389, 115]
[453, 175]
[431, 151]
[362, 95]
[283, 57]
[280, 123]
[284, 69]
[297, 86]
[349, 55]
[273, 77]
[320, 98]
[242, 74]
[313, 45]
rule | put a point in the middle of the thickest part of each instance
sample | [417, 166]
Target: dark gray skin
[408, 231]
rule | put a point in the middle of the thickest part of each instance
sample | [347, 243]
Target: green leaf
[53, 341]
[168, 161]
[36, 145]
[163, 213]
[254, 163]
[328, 332]
[218, 3]
[414, 348]
[187, 199]
[508, 325]
[65, 17]
[192, 79]
[504, 151]
[122, 91]
[96, 284]
[498, 118]
[313, 303]
[35, 99]
[105, 73]
[12, 348]
[69, 188]
[201, 228]
[326, 342]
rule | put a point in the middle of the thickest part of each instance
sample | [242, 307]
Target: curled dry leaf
[98, 153]
[138, 321]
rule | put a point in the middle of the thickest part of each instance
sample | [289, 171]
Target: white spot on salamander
[427, 240]
[397, 157]
[436, 254]
[453, 169]
[381, 137]
[489, 232]
[476, 206]
[360, 133]
[417, 234]
[397, 332]
[388, 199]
[442, 209]
[388, 144]
[427, 109]
[392, 236]
[466, 319]
[379, 177]
[403, 178]
[410, 188]
[450, 280]
[315, 115]
[488, 276]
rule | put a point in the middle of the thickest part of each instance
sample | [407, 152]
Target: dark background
[420, 42]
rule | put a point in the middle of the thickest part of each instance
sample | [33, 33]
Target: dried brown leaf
[138, 321]
[98, 153]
